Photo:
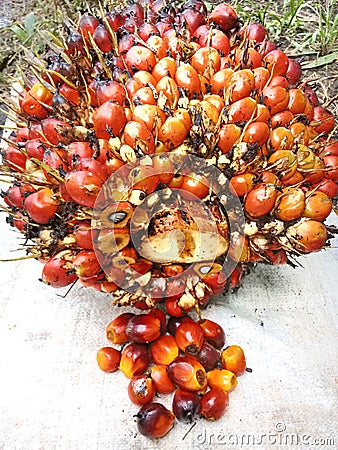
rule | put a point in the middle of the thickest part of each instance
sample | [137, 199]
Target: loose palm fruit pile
[179, 355]
[162, 148]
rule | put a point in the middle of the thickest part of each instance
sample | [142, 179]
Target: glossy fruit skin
[83, 234]
[33, 100]
[108, 359]
[331, 162]
[187, 373]
[209, 357]
[318, 206]
[214, 403]
[154, 420]
[233, 359]
[222, 378]
[138, 135]
[189, 337]
[213, 332]
[164, 350]
[143, 328]
[141, 389]
[290, 204]
[309, 235]
[224, 16]
[116, 329]
[57, 271]
[162, 382]
[83, 187]
[41, 206]
[109, 120]
[260, 200]
[174, 322]
[86, 264]
[185, 405]
[135, 358]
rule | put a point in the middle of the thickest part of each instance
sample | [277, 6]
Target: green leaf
[322, 61]
[30, 23]
[19, 32]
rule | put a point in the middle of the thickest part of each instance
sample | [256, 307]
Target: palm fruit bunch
[179, 356]
[161, 149]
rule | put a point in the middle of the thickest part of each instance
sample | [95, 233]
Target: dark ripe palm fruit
[175, 322]
[135, 359]
[154, 420]
[185, 405]
[213, 404]
[116, 329]
[108, 359]
[187, 373]
[141, 389]
[143, 328]
[164, 350]
[189, 337]
[222, 378]
[233, 359]
[209, 356]
[213, 332]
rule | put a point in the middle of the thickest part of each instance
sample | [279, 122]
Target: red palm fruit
[83, 234]
[214, 403]
[35, 148]
[16, 194]
[290, 204]
[293, 72]
[159, 314]
[102, 38]
[277, 62]
[308, 235]
[154, 420]
[323, 120]
[233, 359]
[87, 25]
[55, 131]
[135, 358]
[216, 281]
[86, 264]
[260, 200]
[83, 187]
[213, 332]
[164, 350]
[108, 359]
[143, 328]
[222, 378]
[57, 272]
[329, 187]
[187, 373]
[109, 120]
[209, 357]
[189, 337]
[162, 382]
[331, 163]
[185, 405]
[224, 16]
[317, 206]
[41, 205]
[175, 322]
[116, 329]
[141, 389]
[15, 158]
[36, 101]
